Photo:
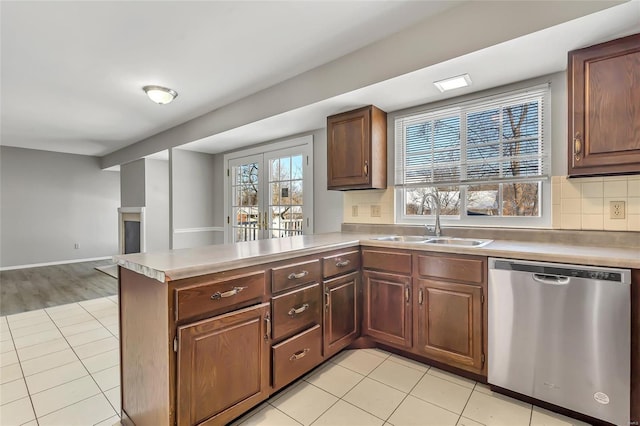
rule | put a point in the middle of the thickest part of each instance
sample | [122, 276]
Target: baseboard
[58, 262]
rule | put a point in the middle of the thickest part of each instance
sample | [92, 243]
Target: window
[486, 161]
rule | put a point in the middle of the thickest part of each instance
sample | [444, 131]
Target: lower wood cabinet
[387, 313]
[448, 323]
[223, 366]
[340, 319]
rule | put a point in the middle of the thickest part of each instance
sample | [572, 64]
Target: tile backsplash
[578, 203]
[585, 203]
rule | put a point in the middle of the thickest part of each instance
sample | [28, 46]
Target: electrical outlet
[354, 211]
[375, 210]
[76, 246]
[616, 209]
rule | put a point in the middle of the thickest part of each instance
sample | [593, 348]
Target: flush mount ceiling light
[453, 83]
[160, 95]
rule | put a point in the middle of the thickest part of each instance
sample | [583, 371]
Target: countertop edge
[544, 252]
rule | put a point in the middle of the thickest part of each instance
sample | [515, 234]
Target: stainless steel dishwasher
[561, 334]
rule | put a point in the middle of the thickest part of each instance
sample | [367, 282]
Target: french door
[270, 193]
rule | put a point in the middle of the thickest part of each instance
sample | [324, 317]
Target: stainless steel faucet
[436, 200]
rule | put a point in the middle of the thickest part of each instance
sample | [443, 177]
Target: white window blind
[497, 139]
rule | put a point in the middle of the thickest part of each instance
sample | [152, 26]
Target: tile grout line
[33, 409]
[467, 403]
[90, 375]
[407, 395]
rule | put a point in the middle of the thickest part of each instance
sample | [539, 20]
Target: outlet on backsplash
[354, 211]
[616, 209]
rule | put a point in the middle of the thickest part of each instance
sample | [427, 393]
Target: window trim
[541, 221]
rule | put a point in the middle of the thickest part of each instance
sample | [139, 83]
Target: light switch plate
[375, 210]
[354, 211]
[617, 209]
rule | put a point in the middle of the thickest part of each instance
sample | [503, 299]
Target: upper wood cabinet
[357, 149]
[604, 108]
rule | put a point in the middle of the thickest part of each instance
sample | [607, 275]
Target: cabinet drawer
[296, 310]
[289, 276]
[466, 269]
[341, 263]
[391, 261]
[294, 357]
[212, 296]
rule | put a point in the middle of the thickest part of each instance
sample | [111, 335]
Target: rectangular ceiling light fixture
[453, 83]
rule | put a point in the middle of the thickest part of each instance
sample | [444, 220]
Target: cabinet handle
[267, 320]
[577, 147]
[366, 168]
[296, 311]
[217, 295]
[343, 263]
[294, 276]
[299, 355]
[406, 294]
[420, 296]
[326, 300]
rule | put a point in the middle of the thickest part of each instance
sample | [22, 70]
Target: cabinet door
[223, 366]
[448, 323]
[387, 308]
[348, 146]
[340, 312]
[604, 118]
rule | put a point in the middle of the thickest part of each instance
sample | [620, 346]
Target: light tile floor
[60, 366]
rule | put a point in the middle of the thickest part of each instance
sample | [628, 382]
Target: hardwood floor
[36, 288]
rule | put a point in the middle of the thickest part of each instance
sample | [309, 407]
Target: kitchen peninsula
[207, 333]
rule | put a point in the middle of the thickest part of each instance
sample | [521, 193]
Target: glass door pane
[245, 218]
[286, 198]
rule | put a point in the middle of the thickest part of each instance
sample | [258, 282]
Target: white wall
[196, 198]
[157, 205]
[50, 201]
[327, 204]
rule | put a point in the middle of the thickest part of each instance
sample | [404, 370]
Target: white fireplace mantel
[132, 214]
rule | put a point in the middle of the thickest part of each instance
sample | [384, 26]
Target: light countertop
[184, 263]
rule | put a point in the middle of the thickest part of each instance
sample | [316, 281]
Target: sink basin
[460, 242]
[403, 238]
[448, 241]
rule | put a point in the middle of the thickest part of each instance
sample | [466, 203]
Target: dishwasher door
[561, 334]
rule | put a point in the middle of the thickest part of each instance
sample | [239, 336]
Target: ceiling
[72, 72]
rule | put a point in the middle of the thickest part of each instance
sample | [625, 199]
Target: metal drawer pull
[294, 276]
[299, 355]
[301, 309]
[343, 263]
[232, 292]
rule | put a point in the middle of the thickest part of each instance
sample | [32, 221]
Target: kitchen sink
[403, 238]
[447, 241]
[460, 242]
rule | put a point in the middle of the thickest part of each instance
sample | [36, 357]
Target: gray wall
[50, 201]
[132, 184]
[327, 204]
[197, 198]
[157, 204]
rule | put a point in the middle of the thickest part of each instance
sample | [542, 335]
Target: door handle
[550, 279]
[267, 321]
[406, 294]
[296, 311]
[420, 296]
[366, 168]
[577, 146]
[326, 300]
[259, 221]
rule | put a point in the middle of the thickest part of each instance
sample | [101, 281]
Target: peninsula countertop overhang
[190, 262]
